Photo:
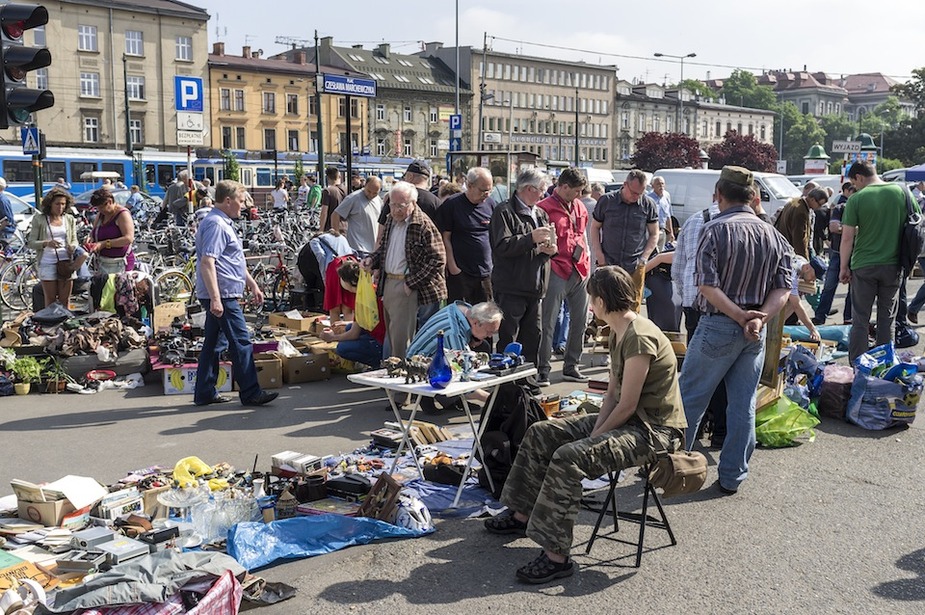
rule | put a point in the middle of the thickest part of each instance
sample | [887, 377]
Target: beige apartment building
[101, 50]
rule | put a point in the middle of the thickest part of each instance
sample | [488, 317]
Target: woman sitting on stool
[543, 490]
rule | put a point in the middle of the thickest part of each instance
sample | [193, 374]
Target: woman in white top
[280, 196]
[54, 238]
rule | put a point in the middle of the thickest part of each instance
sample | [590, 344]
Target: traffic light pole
[37, 171]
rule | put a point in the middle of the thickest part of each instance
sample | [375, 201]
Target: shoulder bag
[64, 269]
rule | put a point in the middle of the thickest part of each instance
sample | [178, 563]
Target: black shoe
[913, 317]
[544, 570]
[833, 312]
[264, 397]
[218, 399]
[725, 490]
[429, 406]
[505, 523]
[818, 321]
[573, 375]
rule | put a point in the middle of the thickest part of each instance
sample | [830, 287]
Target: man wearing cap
[6, 213]
[464, 219]
[361, 212]
[418, 175]
[744, 273]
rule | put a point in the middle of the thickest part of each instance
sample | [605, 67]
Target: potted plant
[26, 370]
[55, 377]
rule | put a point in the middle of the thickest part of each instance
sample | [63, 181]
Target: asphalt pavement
[831, 526]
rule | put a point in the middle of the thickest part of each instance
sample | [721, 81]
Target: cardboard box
[269, 370]
[46, 513]
[182, 380]
[164, 313]
[306, 368]
[289, 320]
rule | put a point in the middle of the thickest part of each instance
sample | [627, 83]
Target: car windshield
[121, 196]
[780, 187]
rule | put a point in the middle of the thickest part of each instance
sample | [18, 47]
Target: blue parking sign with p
[456, 121]
[188, 93]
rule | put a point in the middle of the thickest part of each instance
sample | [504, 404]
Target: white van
[692, 190]
[824, 181]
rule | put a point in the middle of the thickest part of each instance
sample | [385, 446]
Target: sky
[839, 38]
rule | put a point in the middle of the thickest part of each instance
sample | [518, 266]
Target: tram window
[264, 177]
[210, 173]
[79, 168]
[165, 174]
[115, 167]
[17, 170]
[149, 175]
[51, 171]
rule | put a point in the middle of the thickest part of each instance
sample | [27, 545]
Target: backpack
[314, 280]
[515, 410]
[911, 237]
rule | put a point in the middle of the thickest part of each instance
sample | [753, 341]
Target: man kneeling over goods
[543, 490]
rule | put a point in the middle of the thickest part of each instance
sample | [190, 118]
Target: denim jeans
[918, 301]
[232, 325]
[830, 287]
[574, 291]
[562, 322]
[720, 352]
[365, 349]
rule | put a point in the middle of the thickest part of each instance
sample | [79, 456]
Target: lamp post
[510, 124]
[576, 120]
[680, 86]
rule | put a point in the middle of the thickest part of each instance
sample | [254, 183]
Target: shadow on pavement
[909, 588]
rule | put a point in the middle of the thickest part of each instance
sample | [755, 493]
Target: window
[719, 129]
[354, 107]
[269, 138]
[407, 114]
[380, 146]
[313, 141]
[239, 138]
[380, 112]
[269, 104]
[135, 87]
[751, 129]
[342, 143]
[90, 84]
[407, 149]
[642, 122]
[625, 120]
[134, 43]
[667, 123]
[226, 137]
[805, 108]
[656, 123]
[293, 140]
[433, 115]
[402, 78]
[41, 78]
[225, 99]
[185, 48]
[507, 71]
[239, 100]
[377, 76]
[91, 130]
[292, 104]
[739, 128]
[433, 148]
[406, 63]
[425, 80]
[312, 105]
[762, 132]
[136, 131]
[86, 38]
[38, 38]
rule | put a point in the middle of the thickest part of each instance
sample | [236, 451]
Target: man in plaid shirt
[410, 260]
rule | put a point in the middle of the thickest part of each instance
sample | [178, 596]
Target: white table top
[379, 379]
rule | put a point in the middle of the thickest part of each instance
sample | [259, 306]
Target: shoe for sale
[573, 375]
[264, 397]
[544, 570]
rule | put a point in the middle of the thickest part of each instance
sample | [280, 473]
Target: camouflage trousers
[545, 481]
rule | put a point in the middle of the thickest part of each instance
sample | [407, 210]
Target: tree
[837, 128]
[913, 89]
[699, 88]
[658, 150]
[232, 169]
[744, 151]
[298, 170]
[801, 132]
[905, 142]
[741, 88]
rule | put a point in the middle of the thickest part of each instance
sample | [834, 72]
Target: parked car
[22, 212]
[824, 181]
[82, 200]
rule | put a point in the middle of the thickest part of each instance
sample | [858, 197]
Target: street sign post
[188, 93]
[846, 147]
[30, 141]
[782, 167]
[189, 137]
[189, 121]
[349, 86]
[456, 132]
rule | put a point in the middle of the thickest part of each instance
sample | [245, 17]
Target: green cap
[737, 175]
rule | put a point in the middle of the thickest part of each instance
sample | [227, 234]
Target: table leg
[477, 445]
[405, 431]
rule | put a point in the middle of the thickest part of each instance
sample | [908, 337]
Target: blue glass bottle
[439, 373]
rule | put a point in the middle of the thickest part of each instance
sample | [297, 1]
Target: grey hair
[475, 173]
[597, 187]
[657, 178]
[183, 175]
[405, 188]
[531, 177]
[485, 312]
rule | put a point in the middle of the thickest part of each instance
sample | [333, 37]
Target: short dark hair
[737, 193]
[636, 175]
[861, 167]
[332, 172]
[54, 193]
[615, 287]
[847, 186]
[349, 272]
[100, 196]
[572, 178]
[819, 195]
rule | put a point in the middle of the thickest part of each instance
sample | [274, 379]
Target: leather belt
[395, 276]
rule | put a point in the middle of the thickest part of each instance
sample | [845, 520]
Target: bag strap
[910, 207]
[51, 235]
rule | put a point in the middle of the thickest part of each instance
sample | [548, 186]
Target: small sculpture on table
[416, 369]
[394, 367]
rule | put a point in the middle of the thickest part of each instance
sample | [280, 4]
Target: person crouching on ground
[355, 343]
[543, 490]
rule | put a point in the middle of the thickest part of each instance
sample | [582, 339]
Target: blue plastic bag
[255, 545]
[879, 404]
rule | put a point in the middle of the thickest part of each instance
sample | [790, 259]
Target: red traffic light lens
[14, 29]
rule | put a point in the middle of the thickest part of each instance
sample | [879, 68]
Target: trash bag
[781, 424]
[53, 314]
[6, 386]
[880, 404]
[366, 311]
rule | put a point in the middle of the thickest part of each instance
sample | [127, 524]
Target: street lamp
[510, 123]
[680, 85]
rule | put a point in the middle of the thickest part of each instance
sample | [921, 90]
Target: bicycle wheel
[261, 277]
[174, 285]
[27, 280]
[9, 284]
[281, 292]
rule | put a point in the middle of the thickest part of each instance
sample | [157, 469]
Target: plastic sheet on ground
[833, 333]
[439, 498]
[255, 545]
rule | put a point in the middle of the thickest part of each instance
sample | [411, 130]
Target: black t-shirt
[468, 225]
[426, 201]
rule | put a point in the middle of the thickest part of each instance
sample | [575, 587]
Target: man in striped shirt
[744, 274]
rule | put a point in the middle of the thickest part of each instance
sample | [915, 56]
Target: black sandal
[505, 523]
[544, 570]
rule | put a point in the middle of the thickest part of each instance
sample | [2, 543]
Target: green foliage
[906, 141]
[889, 164]
[232, 169]
[914, 89]
[699, 88]
[27, 369]
[299, 171]
[741, 88]
[801, 132]
[743, 150]
[837, 128]
[658, 150]
[835, 167]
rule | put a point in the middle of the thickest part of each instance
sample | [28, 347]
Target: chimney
[257, 53]
[433, 46]
[360, 47]
[218, 49]
[299, 57]
[246, 51]
[384, 49]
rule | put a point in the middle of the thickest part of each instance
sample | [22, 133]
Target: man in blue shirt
[221, 277]
[6, 213]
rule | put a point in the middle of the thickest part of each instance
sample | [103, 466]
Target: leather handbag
[676, 473]
[64, 269]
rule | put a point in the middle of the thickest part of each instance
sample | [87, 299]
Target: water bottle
[439, 373]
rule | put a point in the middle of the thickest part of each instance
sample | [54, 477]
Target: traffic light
[17, 100]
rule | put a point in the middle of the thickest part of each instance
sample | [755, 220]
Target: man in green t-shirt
[314, 192]
[871, 225]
